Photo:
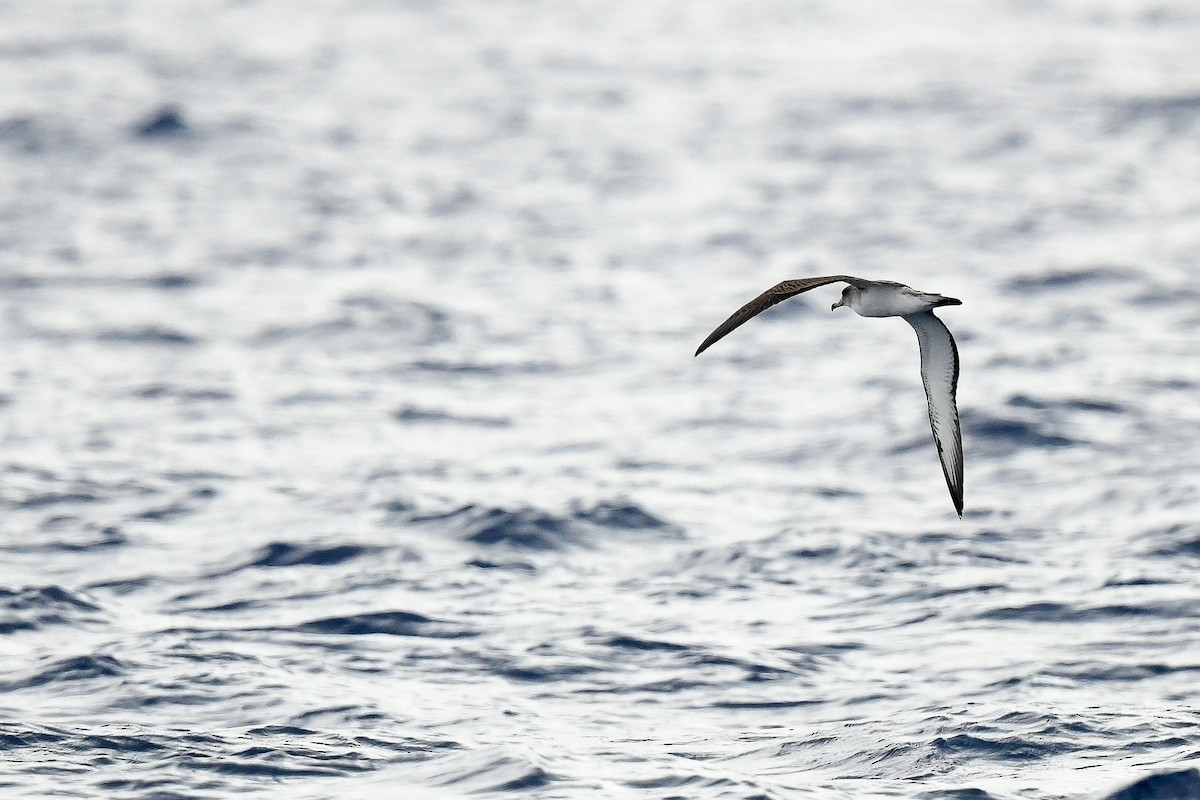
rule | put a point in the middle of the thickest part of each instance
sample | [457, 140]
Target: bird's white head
[847, 294]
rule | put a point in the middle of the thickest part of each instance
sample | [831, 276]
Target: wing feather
[776, 294]
[939, 373]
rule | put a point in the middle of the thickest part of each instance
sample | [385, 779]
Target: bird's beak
[838, 304]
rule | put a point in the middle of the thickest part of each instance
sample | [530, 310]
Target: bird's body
[888, 299]
[939, 353]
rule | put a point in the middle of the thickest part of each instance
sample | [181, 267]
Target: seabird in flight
[939, 353]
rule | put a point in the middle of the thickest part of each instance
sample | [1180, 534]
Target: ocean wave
[79, 668]
[37, 607]
[1010, 432]
[528, 528]
[150, 335]
[1183, 784]
[1071, 279]
[416, 415]
[389, 623]
[399, 320]
[287, 554]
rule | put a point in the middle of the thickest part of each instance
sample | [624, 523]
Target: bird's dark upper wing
[939, 373]
[776, 294]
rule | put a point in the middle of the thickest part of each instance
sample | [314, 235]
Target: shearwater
[939, 353]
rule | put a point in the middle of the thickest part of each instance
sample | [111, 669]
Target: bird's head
[845, 299]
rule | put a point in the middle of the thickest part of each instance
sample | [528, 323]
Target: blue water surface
[352, 445]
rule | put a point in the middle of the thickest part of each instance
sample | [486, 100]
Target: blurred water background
[353, 446]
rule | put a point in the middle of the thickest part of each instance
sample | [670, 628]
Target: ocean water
[352, 443]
